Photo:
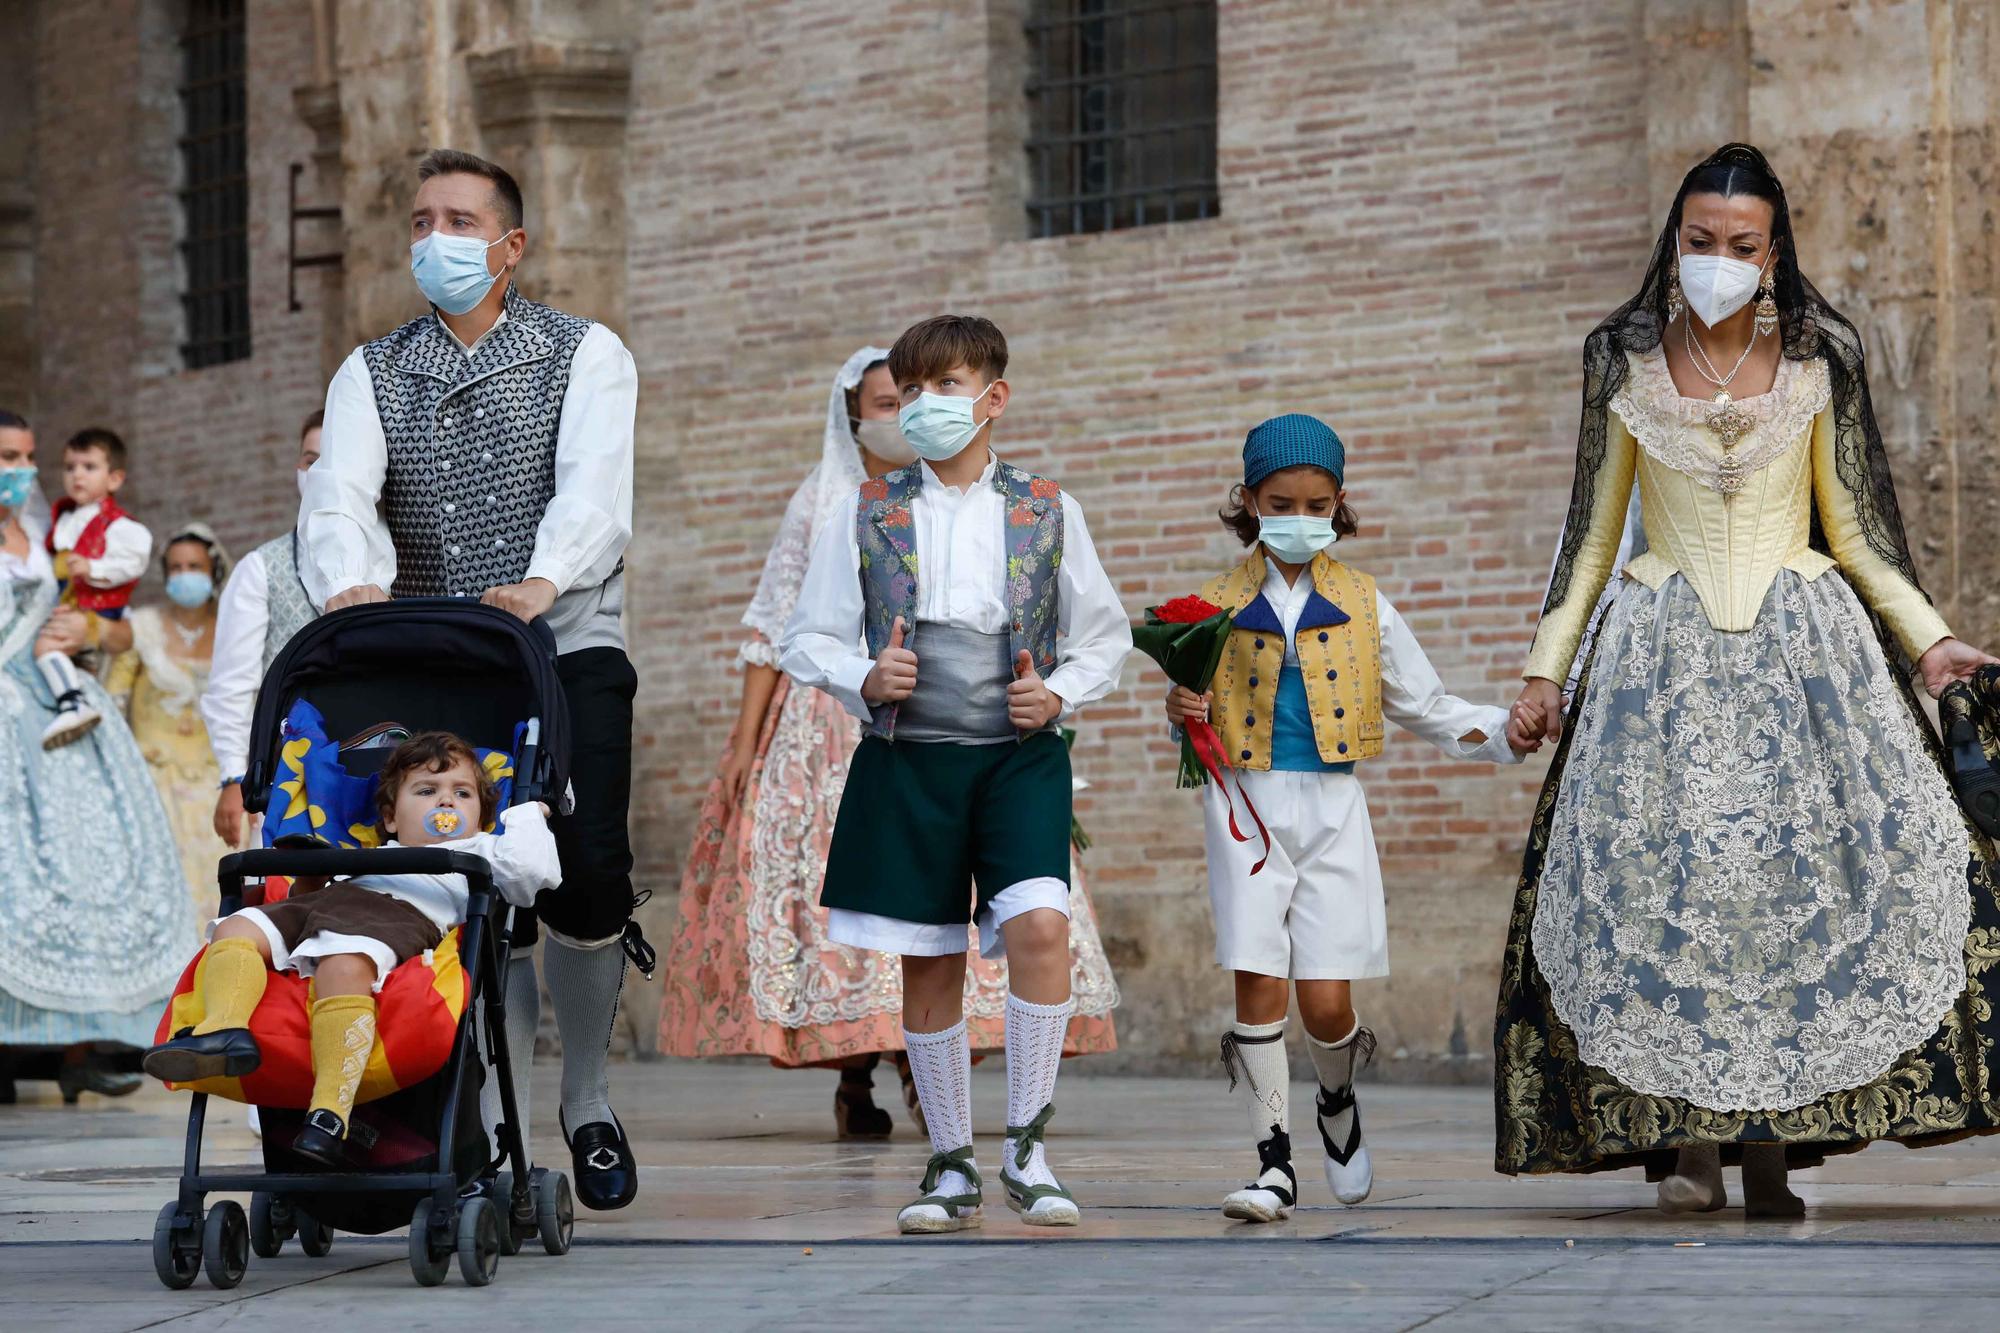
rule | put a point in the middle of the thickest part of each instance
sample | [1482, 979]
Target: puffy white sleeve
[343, 540]
[821, 647]
[1415, 699]
[1096, 635]
[127, 547]
[236, 669]
[588, 524]
[784, 574]
[523, 857]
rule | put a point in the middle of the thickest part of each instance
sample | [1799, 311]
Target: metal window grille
[215, 191]
[1121, 105]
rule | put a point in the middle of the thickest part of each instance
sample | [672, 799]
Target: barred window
[1121, 114]
[215, 194]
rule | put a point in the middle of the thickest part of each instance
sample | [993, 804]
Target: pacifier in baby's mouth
[445, 822]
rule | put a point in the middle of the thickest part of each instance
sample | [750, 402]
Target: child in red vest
[99, 552]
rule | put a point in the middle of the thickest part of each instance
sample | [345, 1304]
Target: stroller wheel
[502, 1195]
[478, 1240]
[225, 1244]
[271, 1224]
[428, 1264]
[315, 1236]
[555, 1211]
[176, 1250]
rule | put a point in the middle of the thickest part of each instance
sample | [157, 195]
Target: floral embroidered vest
[1339, 641]
[885, 531]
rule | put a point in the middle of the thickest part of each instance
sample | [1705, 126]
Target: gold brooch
[1729, 421]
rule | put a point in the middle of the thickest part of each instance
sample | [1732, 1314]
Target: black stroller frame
[478, 1221]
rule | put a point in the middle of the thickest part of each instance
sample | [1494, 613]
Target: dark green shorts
[922, 824]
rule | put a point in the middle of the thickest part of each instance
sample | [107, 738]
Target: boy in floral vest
[988, 621]
[99, 552]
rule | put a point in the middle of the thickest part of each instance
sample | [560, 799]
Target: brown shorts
[399, 931]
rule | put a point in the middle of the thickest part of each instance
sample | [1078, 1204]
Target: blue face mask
[189, 588]
[16, 485]
[938, 426]
[1296, 538]
[451, 270]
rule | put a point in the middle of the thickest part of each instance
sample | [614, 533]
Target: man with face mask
[485, 450]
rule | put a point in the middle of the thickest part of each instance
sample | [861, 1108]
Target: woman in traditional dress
[751, 971]
[1750, 924]
[95, 924]
[159, 682]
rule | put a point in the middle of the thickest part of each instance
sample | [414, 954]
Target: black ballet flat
[323, 1138]
[230, 1053]
[606, 1176]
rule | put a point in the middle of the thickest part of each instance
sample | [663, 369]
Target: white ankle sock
[584, 981]
[1034, 1057]
[941, 1066]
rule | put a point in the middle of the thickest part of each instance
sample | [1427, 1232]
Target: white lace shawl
[824, 493]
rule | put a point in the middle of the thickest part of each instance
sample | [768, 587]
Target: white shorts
[917, 939]
[1315, 911]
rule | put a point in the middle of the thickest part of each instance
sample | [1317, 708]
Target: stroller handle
[297, 861]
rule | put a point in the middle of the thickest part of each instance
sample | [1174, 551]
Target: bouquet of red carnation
[1186, 637]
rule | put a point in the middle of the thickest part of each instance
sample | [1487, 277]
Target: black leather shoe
[323, 1138]
[230, 1053]
[606, 1175]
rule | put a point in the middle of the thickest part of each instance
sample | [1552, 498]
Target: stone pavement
[750, 1216]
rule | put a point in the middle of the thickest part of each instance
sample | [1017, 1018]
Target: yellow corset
[1725, 519]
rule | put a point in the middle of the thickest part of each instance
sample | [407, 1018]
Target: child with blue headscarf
[1314, 661]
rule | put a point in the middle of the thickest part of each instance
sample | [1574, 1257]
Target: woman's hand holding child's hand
[1537, 715]
[1185, 706]
[893, 678]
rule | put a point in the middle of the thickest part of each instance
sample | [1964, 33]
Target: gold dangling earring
[1767, 306]
[1676, 306]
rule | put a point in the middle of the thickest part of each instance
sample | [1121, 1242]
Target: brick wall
[213, 444]
[1418, 225]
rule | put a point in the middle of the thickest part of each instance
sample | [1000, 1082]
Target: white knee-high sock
[1254, 1055]
[941, 1066]
[524, 1016]
[1337, 1062]
[1034, 1057]
[584, 981]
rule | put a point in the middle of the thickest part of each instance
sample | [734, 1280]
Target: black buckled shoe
[323, 1138]
[606, 1176]
[230, 1053]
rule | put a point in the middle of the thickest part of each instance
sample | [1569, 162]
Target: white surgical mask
[451, 271]
[882, 437]
[1717, 286]
[939, 426]
[1296, 538]
[300, 473]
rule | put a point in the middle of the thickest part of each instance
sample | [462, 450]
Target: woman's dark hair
[1236, 515]
[854, 394]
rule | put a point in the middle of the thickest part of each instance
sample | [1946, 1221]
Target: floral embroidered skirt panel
[1751, 910]
[751, 971]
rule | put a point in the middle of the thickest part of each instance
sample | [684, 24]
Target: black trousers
[594, 900]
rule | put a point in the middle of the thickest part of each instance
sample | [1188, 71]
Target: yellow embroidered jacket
[1339, 639]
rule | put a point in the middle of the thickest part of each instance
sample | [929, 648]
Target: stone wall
[1420, 220]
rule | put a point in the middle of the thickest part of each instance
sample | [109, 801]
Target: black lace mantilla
[1809, 326]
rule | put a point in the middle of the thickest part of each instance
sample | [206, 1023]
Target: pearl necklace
[1729, 421]
[190, 637]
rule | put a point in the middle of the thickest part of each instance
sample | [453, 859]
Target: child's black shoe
[230, 1053]
[321, 1138]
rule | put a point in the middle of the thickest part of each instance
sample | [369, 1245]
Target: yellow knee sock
[232, 981]
[343, 1033]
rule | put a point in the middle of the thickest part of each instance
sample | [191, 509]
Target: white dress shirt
[1412, 695]
[960, 538]
[581, 537]
[127, 546]
[237, 667]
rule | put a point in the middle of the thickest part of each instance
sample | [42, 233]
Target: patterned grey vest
[472, 445]
[289, 608]
[885, 531]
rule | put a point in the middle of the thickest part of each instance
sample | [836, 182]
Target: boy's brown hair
[430, 752]
[98, 437]
[929, 348]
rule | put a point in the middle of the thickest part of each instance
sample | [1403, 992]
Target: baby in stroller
[349, 935]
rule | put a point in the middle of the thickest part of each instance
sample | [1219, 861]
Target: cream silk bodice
[1727, 519]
